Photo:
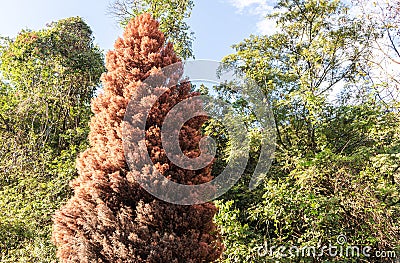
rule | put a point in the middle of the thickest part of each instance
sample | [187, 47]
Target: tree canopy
[328, 178]
[172, 15]
[111, 218]
[48, 78]
[330, 76]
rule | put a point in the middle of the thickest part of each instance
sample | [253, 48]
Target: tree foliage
[111, 218]
[172, 15]
[383, 16]
[48, 79]
[331, 175]
[328, 76]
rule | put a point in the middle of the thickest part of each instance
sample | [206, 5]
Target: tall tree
[48, 78]
[325, 179]
[172, 15]
[111, 218]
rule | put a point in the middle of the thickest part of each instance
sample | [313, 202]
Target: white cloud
[253, 5]
[267, 27]
[258, 8]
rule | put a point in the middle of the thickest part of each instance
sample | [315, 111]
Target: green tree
[172, 15]
[331, 174]
[48, 79]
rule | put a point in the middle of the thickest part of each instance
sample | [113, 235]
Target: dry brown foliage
[111, 218]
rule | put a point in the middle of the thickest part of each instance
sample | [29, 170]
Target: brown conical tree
[111, 218]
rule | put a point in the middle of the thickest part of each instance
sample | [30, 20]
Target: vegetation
[48, 79]
[328, 77]
[172, 15]
[336, 166]
[111, 218]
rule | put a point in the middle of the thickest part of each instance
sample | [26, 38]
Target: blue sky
[217, 23]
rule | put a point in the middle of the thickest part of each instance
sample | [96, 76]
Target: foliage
[383, 16]
[172, 15]
[111, 218]
[48, 79]
[335, 169]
